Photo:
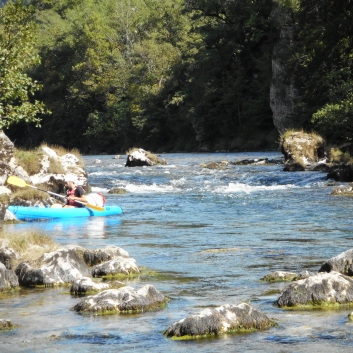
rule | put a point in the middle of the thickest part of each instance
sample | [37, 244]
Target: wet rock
[95, 257]
[119, 265]
[342, 263]
[350, 316]
[125, 299]
[55, 268]
[279, 276]
[319, 167]
[226, 318]
[5, 325]
[342, 173]
[87, 285]
[8, 278]
[294, 167]
[323, 289]
[343, 190]
[137, 157]
[212, 165]
[116, 190]
[8, 256]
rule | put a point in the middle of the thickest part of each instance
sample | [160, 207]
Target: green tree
[17, 56]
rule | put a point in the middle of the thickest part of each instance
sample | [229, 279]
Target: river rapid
[205, 237]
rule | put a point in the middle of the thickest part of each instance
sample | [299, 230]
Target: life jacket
[96, 198]
[72, 193]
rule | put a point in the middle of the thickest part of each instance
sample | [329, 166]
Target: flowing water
[206, 237]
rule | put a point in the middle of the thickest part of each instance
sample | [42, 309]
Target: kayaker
[74, 193]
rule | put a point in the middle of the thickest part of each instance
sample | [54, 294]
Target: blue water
[207, 237]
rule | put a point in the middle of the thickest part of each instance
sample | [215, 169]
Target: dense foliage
[184, 74]
[17, 55]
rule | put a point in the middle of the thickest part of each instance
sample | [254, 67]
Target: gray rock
[279, 276]
[119, 265]
[125, 299]
[8, 278]
[58, 267]
[86, 285]
[226, 318]
[320, 290]
[95, 257]
[342, 263]
[7, 257]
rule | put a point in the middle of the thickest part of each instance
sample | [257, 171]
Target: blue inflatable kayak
[23, 213]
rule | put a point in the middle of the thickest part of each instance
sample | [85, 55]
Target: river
[205, 238]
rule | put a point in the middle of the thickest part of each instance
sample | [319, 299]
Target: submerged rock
[323, 289]
[58, 267]
[119, 265]
[342, 263]
[124, 300]
[279, 276]
[226, 318]
[5, 324]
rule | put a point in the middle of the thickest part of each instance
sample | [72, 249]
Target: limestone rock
[108, 253]
[56, 268]
[226, 318]
[119, 265]
[5, 324]
[279, 276]
[7, 257]
[8, 278]
[125, 299]
[322, 289]
[139, 157]
[85, 284]
[342, 263]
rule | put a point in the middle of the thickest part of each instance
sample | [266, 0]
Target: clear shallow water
[210, 235]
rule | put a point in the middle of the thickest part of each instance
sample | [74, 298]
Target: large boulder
[226, 318]
[138, 157]
[55, 268]
[322, 290]
[342, 173]
[8, 256]
[302, 148]
[122, 300]
[342, 263]
[8, 278]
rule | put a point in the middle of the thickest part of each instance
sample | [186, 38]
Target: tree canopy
[17, 56]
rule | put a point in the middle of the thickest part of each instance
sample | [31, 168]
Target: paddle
[13, 180]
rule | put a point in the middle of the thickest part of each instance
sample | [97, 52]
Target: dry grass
[30, 245]
[55, 167]
[337, 156]
[30, 161]
[29, 194]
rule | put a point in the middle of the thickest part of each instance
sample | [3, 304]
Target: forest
[170, 75]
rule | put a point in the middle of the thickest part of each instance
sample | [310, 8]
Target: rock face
[342, 263]
[303, 148]
[282, 90]
[58, 267]
[226, 318]
[139, 157]
[8, 278]
[125, 299]
[7, 257]
[320, 290]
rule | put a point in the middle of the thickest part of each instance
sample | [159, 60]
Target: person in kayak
[74, 193]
